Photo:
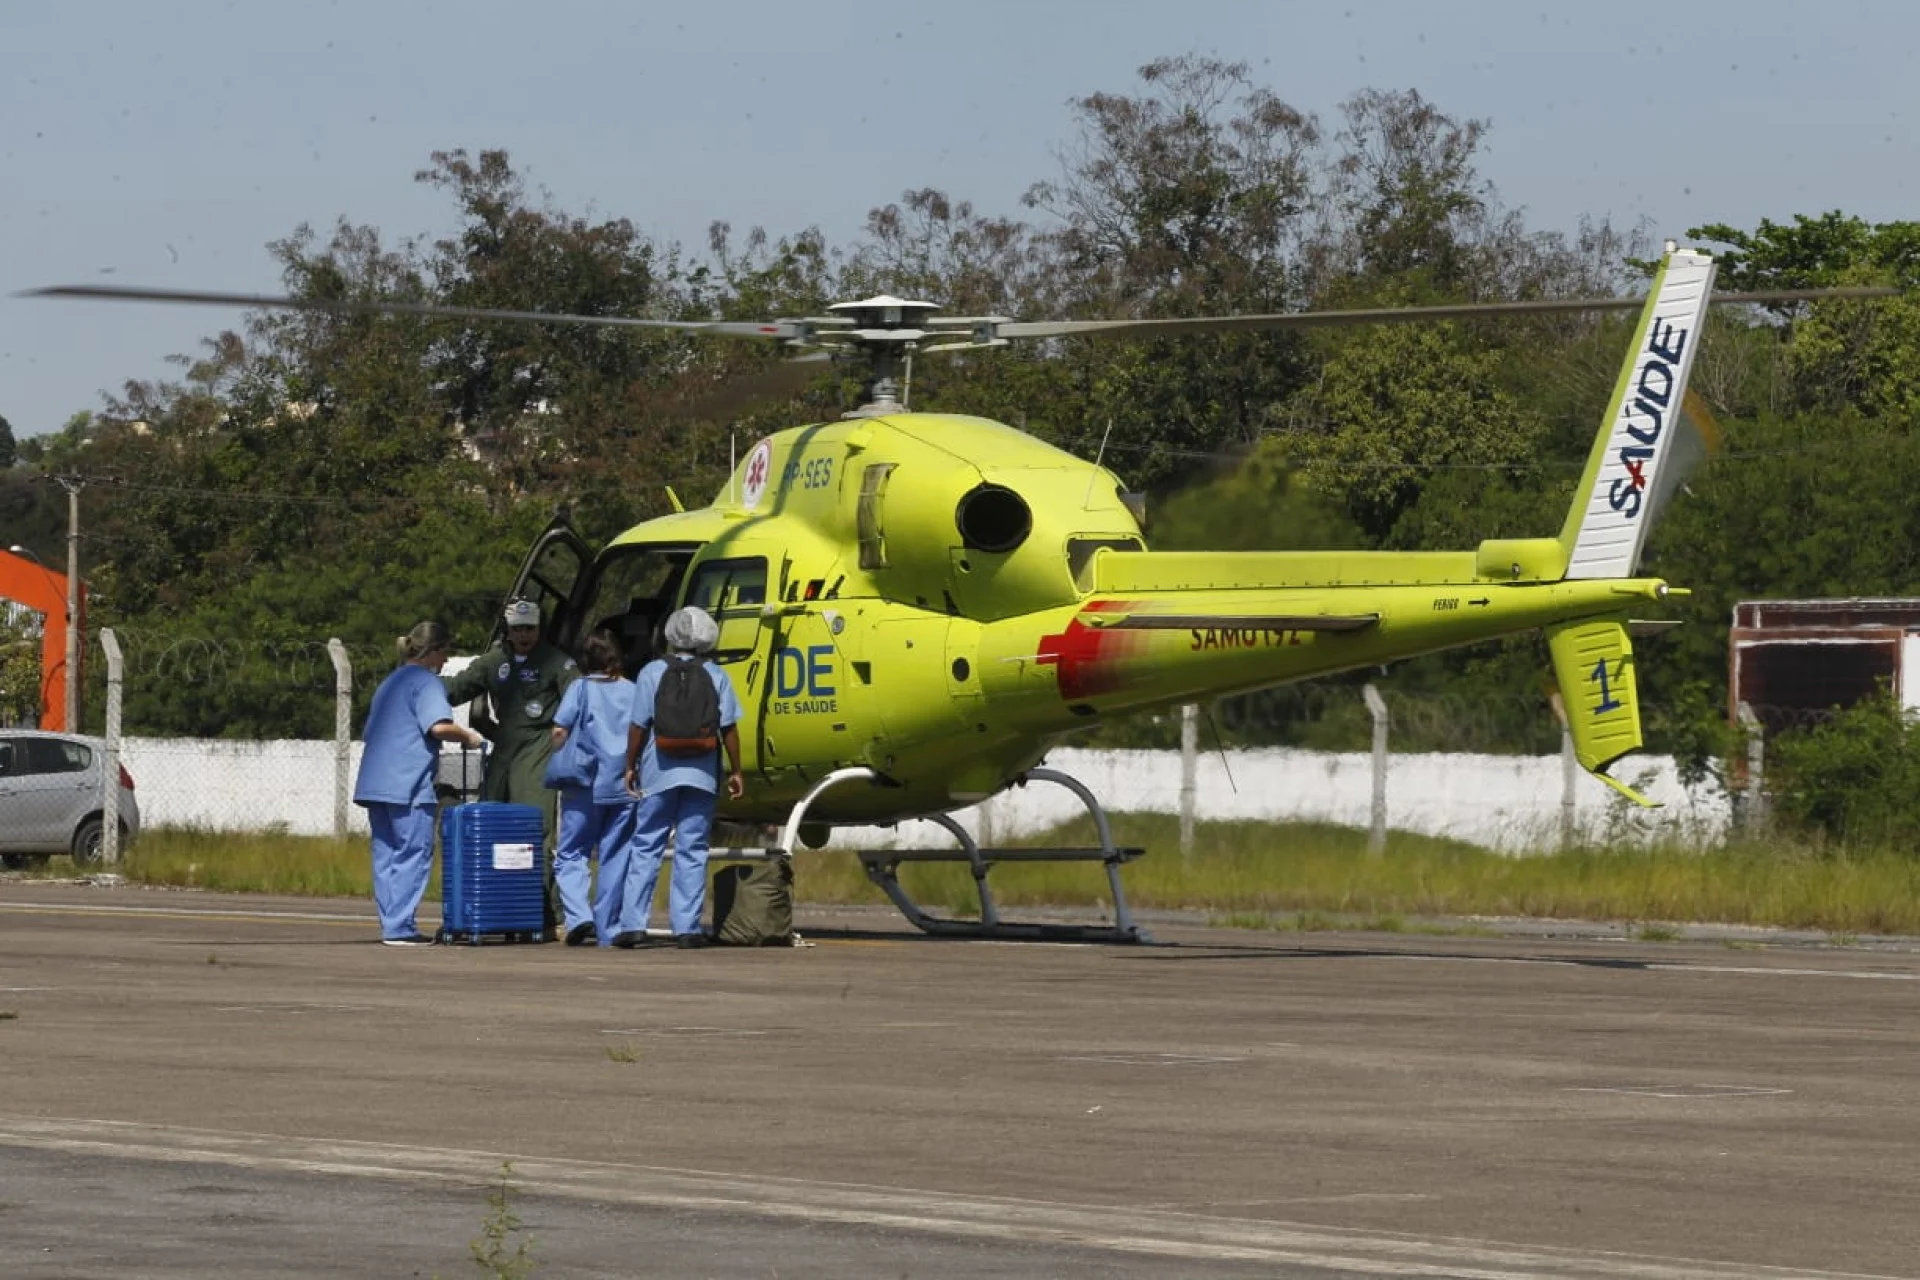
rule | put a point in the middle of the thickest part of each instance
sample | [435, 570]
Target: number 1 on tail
[1607, 701]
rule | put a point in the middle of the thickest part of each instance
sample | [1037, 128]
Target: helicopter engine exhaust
[992, 517]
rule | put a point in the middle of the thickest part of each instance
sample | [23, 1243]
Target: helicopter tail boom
[1635, 461]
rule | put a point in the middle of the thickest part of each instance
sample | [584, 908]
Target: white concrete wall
[1507, 802]
[1502, 802]
[237, 786]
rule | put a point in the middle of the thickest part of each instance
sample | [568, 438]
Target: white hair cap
[692, 630]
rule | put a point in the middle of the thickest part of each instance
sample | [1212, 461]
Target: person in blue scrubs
[409, 718]
[677, 794]
[599, 814]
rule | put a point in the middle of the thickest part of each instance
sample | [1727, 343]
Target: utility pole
[73, 485]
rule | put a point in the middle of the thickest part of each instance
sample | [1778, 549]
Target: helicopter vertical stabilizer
[1616, 500]
[1593, 665]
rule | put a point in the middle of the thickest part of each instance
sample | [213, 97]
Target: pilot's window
[723, 586]
[1080, 553]
[733, 591]
[872, 526]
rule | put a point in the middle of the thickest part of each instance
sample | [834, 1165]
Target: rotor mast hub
[885, 331]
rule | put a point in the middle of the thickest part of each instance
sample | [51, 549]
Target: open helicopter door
[552, 576]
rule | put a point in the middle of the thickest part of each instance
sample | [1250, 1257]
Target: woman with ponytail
[409, 718]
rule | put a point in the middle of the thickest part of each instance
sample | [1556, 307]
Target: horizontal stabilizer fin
[1593, 664]
[1245, 622]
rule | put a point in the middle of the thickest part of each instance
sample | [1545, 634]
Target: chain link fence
[237, 735]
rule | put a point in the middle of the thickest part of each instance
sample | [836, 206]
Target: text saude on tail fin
[1618, 494]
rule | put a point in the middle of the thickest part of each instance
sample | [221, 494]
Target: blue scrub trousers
[583, 825]
[687, 814]
[402, 861]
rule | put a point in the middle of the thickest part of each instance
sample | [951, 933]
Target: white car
[53, 797]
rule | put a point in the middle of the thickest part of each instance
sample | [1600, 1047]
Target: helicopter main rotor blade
[773, 330]
[768, 385]
[1399, 315]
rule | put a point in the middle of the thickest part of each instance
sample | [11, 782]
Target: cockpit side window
[733, 591]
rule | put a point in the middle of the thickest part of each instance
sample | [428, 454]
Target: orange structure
[32, 584]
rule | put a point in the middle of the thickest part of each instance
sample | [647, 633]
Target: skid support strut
[883, 868]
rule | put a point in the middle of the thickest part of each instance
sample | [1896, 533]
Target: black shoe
[628, 941]
[689, 941]
[408, 940]
[582, 935]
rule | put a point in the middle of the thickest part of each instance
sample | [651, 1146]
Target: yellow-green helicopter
[914, 608]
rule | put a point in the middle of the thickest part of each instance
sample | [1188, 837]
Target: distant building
[1793, 662]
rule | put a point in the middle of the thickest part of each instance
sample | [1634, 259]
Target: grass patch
[1656, 933]
[1308, 876]
[243, 862]
[1300, 877]
[623, 1052]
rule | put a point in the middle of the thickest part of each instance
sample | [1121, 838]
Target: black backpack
[686, 709]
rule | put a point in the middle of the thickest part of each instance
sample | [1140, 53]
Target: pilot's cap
[523, 613]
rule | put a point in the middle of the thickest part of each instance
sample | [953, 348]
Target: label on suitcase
[493, 873]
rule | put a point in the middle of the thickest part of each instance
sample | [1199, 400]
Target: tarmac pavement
[206, 1085]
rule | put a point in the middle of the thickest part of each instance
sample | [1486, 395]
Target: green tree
[19, 669]
[1836, 354]
[1391, 409]
[1854, 779]
[1184, 199]
[9, 451]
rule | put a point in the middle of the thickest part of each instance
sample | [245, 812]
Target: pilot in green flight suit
[523, 679]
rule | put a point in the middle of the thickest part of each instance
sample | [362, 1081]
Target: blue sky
[167, 144]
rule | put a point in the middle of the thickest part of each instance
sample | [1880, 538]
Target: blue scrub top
[680, 771]
[607, 704]
[396, 766]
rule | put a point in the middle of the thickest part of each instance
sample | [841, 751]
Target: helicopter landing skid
[883, 867]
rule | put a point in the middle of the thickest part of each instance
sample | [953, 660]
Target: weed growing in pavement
[623, 1052]
[500, 1229]
[1655, 933]
[8, 1015]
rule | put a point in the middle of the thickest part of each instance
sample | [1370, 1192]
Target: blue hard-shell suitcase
[493, 873]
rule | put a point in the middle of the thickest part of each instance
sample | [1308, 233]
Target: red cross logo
[1090, 660]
